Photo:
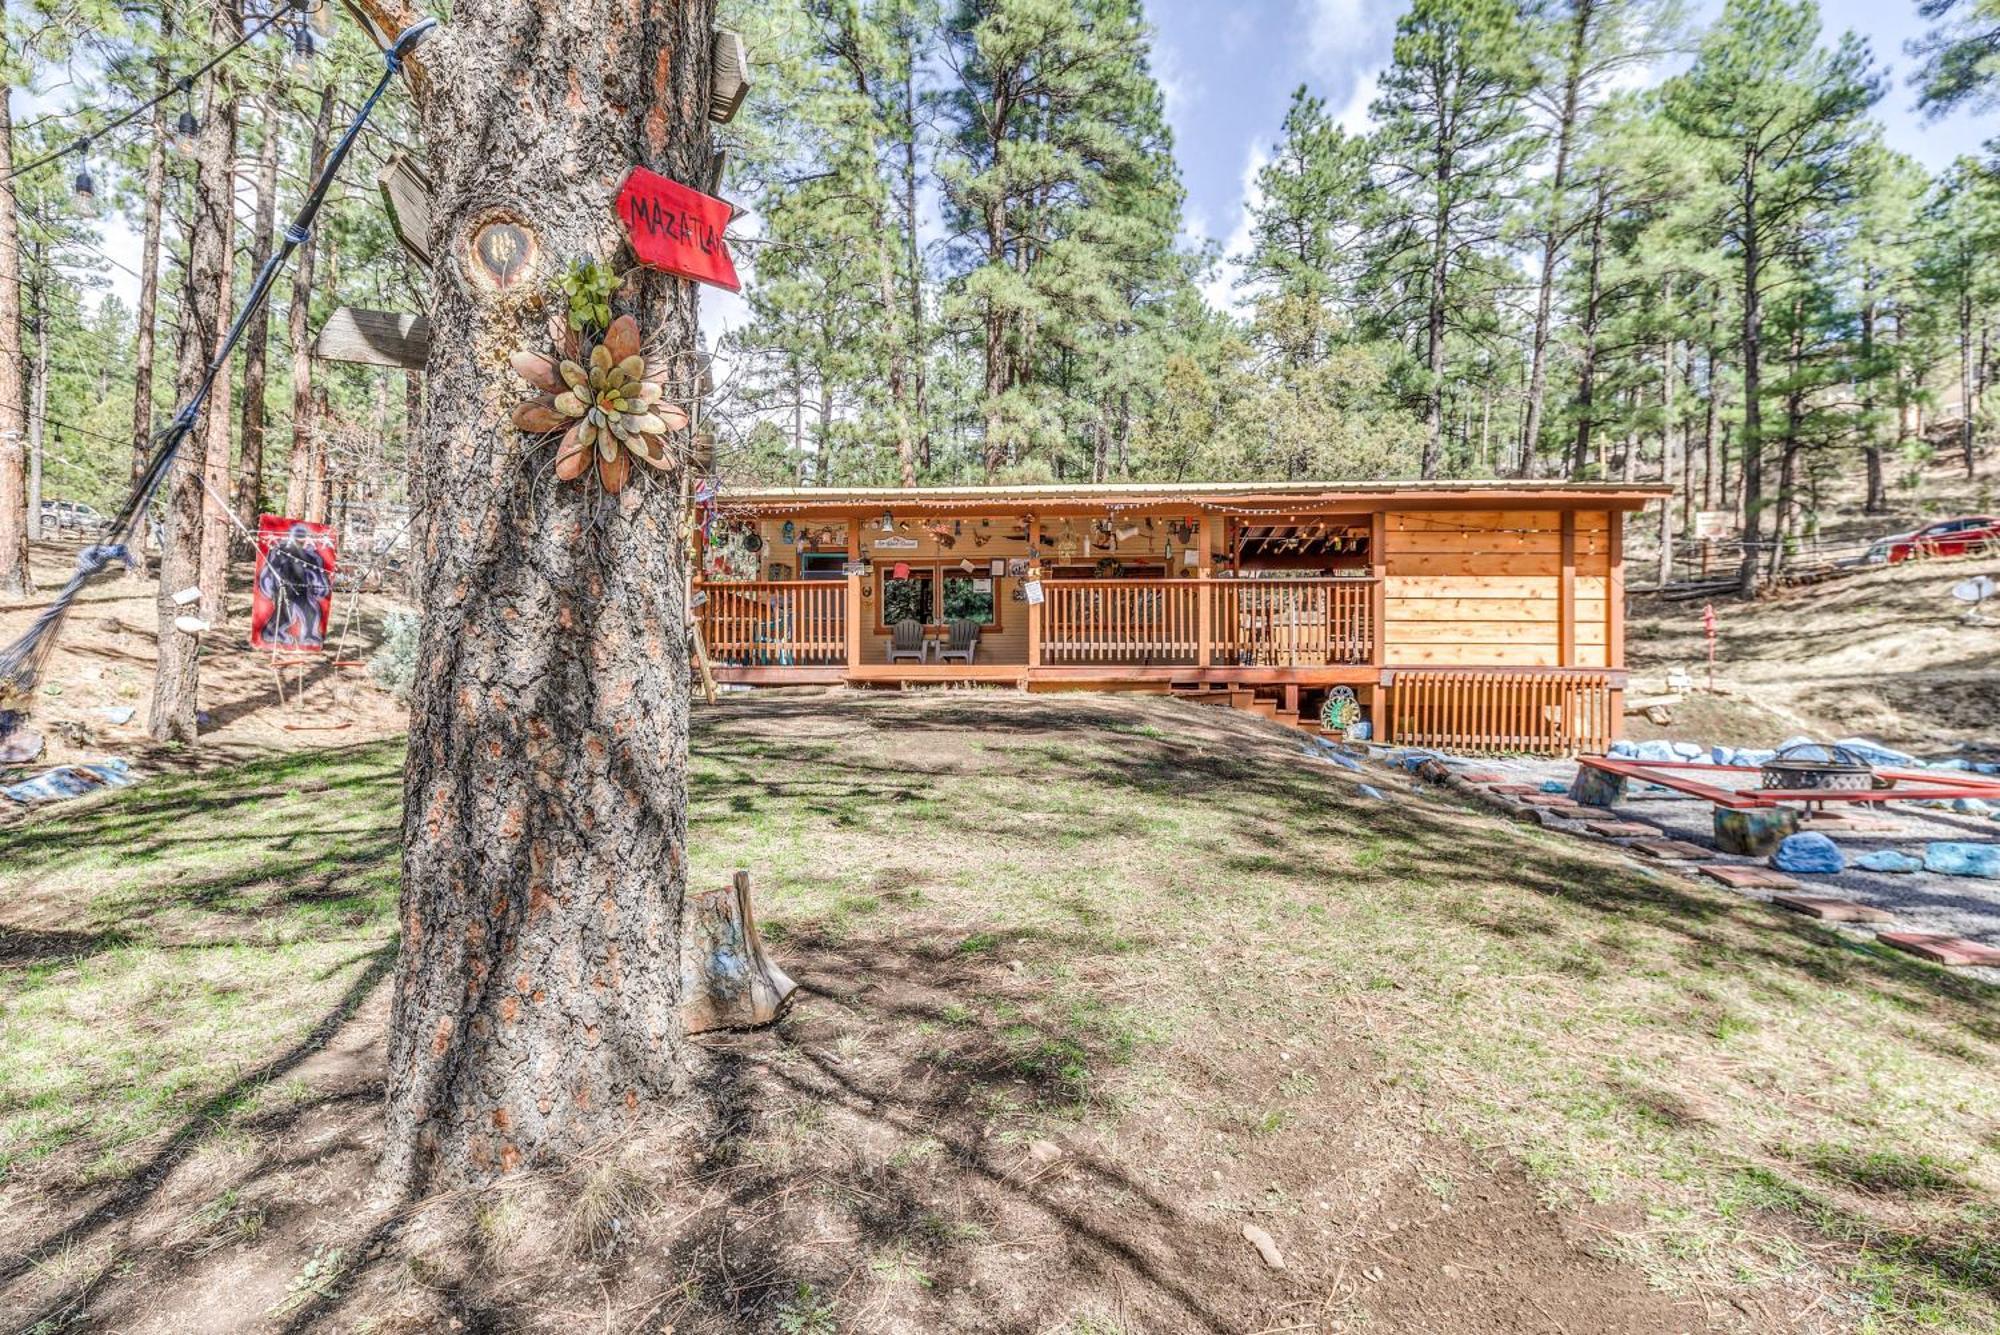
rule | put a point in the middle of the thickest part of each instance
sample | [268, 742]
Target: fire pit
[1833, 769]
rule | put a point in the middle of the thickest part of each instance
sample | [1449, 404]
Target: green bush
[395, 663]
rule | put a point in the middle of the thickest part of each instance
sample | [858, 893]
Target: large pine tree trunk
[38, 382]
[537, 992]
[256, 338]
[204, 317]
[14, 579]
[155, 190]
[298, 329]
[219, 421]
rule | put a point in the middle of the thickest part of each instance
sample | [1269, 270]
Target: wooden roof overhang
[1273, 502]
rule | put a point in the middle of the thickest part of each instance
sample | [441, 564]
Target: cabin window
[969, 598]
[908, 599]
[936, 594]
[823, 565]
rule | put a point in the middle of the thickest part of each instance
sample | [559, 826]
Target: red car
[1966, 535]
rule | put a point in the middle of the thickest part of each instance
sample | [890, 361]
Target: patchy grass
[1090, 984]
[162, 949]
[1751, 1088]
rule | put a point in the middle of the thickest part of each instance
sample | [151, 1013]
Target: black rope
[21, 662]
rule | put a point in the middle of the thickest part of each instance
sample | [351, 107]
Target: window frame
[936, 571]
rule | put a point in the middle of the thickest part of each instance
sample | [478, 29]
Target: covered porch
[1498, 622]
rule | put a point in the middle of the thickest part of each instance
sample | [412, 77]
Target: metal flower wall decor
[608, 401]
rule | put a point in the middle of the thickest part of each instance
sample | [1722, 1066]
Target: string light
[186, 131]
[83, 143]
[85, 190]
[299, 57]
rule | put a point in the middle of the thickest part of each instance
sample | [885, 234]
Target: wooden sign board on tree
[676, 229]
[374, 338]
[729, 81]
[406, 194]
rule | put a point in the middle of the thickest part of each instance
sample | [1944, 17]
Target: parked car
[1963, 536]
[72, 517]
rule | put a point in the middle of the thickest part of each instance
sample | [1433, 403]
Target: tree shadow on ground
[136, 1190]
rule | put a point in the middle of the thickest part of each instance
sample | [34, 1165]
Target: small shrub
[395, 663]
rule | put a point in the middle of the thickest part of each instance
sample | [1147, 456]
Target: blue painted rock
[1808, 853]
[1888, 859]
[1877, 754]
[1956, 859]
[1972, 806]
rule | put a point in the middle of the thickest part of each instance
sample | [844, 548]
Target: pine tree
[1961, 228]
[1781, 117]
[1303, 231]
[1450, 156]
[1054, 122]
[1579, 48]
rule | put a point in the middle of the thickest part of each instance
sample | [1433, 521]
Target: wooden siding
[1486, 588]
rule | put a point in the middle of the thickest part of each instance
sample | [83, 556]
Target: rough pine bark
[536, 1007]
[204, 319]
[14, 578]
[217, 420]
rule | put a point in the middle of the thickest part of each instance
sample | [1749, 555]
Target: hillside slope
[1887, 654]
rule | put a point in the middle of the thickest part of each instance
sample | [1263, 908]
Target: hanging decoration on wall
[607, 402]
[790, 535]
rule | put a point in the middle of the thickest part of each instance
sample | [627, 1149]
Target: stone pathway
[1662, 827]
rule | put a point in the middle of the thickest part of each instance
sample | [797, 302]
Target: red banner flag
[676, 229]
[293, 593]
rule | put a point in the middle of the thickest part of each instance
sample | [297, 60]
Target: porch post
[1614, 612]
[1034, 609]
[1566, 594]
[1205, 595]
[1378, 566]
[851, 612]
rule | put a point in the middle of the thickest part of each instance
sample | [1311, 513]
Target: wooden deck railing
[1279, 623]
[1498, 712]
[1132, 621]
[1292, 622]
[775, 623]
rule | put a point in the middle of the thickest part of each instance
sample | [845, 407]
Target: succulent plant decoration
[608, 401]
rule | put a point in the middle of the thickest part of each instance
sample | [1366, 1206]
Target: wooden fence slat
[1553, 713]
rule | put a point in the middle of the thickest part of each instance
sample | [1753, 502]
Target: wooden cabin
[1475, 616]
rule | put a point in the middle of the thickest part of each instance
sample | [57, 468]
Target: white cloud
[1339, 30]
[1221, 287]
[1181, 89]
[1354, 117]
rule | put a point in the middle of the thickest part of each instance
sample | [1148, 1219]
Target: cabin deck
[1474, 619]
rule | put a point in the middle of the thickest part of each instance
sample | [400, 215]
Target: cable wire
[180, 85]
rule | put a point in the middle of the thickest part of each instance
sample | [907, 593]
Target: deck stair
[1238, 697]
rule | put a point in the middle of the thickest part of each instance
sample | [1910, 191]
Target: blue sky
[1228, 70]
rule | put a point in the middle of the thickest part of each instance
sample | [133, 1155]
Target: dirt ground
[1889, 654]
[104, 660]
[1089, 986]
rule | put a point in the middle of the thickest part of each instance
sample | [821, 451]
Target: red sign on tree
[676, 229]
